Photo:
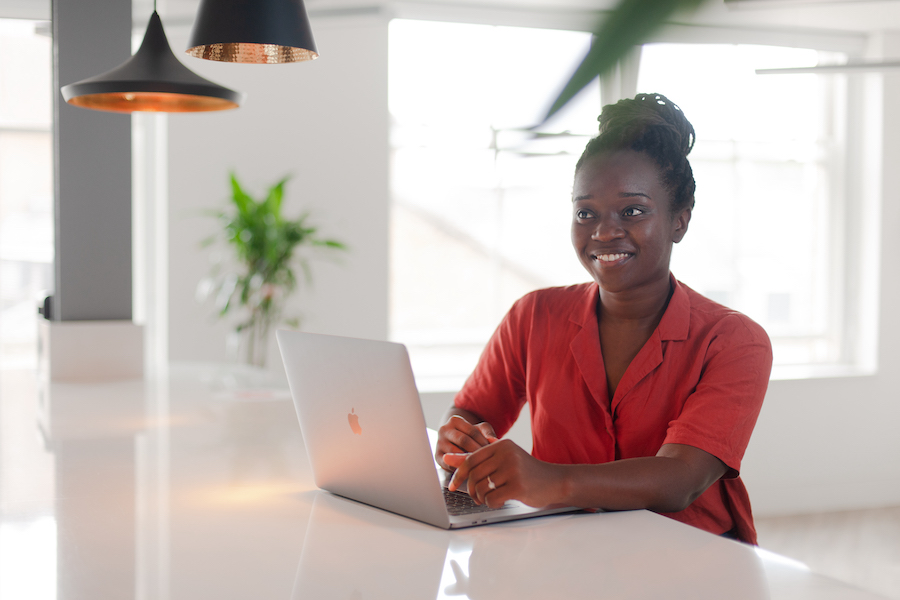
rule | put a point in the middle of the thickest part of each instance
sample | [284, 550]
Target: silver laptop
[365, 432]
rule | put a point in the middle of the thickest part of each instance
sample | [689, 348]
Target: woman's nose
[608, 228]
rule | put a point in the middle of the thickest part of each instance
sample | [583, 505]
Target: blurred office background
[406, 141]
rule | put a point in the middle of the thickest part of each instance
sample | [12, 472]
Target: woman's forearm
[658, 483]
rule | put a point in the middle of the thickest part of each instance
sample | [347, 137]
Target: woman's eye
[633, 212]
[582, 214]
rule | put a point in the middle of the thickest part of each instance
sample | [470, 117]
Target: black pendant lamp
[252, 31]
[152, 80]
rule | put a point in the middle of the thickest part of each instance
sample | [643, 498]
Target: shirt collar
[675, 322]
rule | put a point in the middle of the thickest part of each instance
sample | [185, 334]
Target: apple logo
[354, 422]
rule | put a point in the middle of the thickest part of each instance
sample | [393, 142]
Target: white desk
[187, 488]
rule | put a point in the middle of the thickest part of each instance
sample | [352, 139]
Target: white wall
[326, 123]
[820, 444]
[832, 444]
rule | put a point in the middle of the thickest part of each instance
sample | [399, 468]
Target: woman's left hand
[504, 471]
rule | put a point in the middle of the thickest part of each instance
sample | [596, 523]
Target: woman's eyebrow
[621, 195]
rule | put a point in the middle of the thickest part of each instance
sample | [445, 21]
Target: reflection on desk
[196, 485]
[354, 551]
[615, 555]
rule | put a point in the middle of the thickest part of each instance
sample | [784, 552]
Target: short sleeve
[719, 415]
[496, 389]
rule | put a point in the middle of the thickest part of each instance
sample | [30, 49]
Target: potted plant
[268, 249]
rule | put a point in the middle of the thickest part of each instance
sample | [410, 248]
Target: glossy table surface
[195, 485]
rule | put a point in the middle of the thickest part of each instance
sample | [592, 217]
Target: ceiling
[860, 16]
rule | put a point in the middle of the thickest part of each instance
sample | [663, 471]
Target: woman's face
[622, 224]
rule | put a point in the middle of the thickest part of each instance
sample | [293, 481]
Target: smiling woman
[642, 392]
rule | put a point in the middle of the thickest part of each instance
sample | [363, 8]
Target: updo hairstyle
[654, 125]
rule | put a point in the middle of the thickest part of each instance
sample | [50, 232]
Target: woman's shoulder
[554, 306]
[560, 297]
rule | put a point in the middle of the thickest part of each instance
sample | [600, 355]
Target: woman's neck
[644, 305]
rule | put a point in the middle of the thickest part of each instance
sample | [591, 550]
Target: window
[26, 186]
[768, 163]
[480, 214]
[481, 211]
[27, 526]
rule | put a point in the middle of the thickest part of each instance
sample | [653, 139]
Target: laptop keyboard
[460, 503]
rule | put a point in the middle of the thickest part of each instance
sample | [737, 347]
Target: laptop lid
[362, 422]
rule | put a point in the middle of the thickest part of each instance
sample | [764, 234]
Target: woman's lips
[611, 257]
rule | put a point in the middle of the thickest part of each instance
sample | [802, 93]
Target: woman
[642, 392]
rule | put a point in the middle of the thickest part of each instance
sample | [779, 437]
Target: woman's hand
[503, 471]
[460, 436]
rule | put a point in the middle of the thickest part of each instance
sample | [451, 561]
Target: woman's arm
[667, 482]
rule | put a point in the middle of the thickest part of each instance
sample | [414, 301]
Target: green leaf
[631, 23]
[240, 198]
[274, 198]
[329, 244]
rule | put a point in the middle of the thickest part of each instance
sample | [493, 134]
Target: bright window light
[26, 186]
[768, 164]
[480, 209]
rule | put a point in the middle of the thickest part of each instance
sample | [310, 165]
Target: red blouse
[699, 380]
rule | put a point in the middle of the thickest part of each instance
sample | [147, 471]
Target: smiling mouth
[608, 258]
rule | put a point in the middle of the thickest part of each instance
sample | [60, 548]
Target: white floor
[858, 547]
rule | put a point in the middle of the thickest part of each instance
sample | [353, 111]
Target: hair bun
[633, 116]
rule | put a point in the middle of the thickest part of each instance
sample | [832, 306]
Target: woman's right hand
[460, 436]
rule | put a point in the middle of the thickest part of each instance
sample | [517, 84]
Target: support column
[92, 165]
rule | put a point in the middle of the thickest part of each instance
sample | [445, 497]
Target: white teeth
[610, 257]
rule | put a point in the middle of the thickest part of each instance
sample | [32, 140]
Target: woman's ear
[680, 225]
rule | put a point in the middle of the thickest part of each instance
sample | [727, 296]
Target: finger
[465, 464]
[476, 433]
[495, 497]
[491, 490]
[461, 470]
[487, 431]
[439, 457]
[462, 442]
[453, 437]
[482, 488]
[480, 468]
[495, 489]
[455, 460]
[445, 446]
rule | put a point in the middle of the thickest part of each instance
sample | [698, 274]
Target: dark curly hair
[654, 125]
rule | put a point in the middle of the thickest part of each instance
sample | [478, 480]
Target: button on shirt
[699, 380]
